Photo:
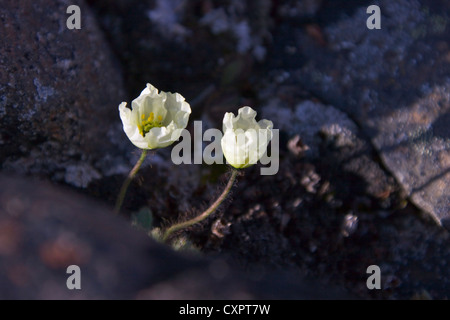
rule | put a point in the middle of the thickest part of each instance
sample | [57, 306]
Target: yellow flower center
[149, 122]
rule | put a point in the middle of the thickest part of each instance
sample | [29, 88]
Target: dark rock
[43, 230]
[318, 215]
[59, 93]
[394, 83]
[204, 50]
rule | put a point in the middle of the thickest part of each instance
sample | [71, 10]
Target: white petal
[150, 90]
[130, 128]
[228, 121]
[178, 110]
[125, 113]
[158, 138]
[233, 147]
[265, 124]
[247, 113]
[245, 119]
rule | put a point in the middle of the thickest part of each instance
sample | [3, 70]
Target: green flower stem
[206, 213]
[127, 181]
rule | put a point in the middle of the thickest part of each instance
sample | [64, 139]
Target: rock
[59, 91]
[219, 42]
[333, 141]
[44, 229]
[393, 82]
[308, 119]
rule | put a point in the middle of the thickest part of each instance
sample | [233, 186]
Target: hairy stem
[126, 183]
[207, 212]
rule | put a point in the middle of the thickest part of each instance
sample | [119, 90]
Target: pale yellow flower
[245, 140]
[156, 118]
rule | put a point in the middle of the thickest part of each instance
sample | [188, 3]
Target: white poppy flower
[156, 119]
[245, 140]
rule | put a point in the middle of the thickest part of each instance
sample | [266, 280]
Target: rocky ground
[364, 168]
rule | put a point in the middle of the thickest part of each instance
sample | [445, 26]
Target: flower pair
[157, 119]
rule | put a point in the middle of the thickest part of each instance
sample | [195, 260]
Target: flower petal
[233, 150]
[178, 110]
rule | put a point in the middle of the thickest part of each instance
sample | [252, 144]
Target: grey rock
[44, 229]
[308, 119]
[330, 138]
[395, 84]
[59, 92]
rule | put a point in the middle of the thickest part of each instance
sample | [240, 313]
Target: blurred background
[364, 175]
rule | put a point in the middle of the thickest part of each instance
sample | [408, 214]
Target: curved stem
[206, 213]
[126, 183]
